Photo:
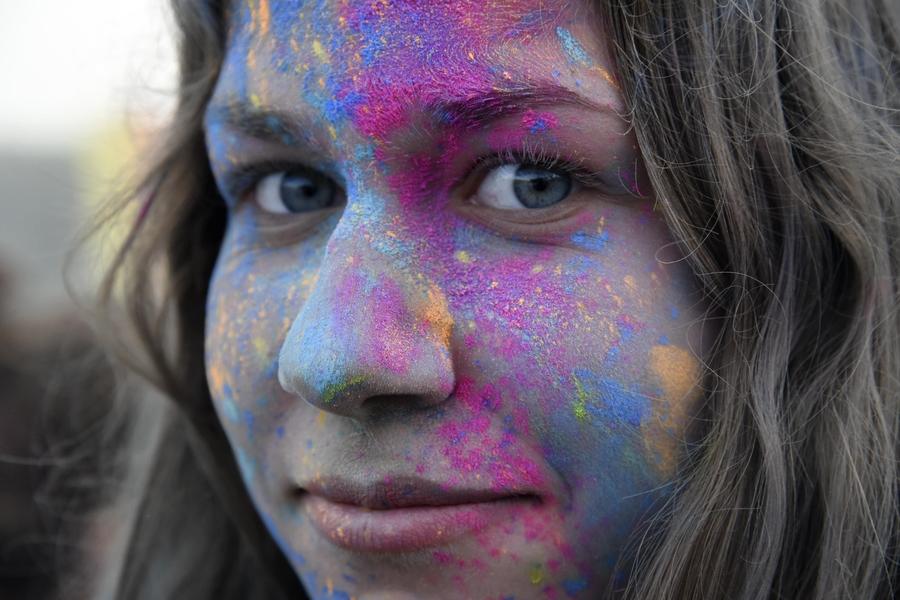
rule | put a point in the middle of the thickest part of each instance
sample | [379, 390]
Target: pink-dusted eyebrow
[470, 111]
[477, 109]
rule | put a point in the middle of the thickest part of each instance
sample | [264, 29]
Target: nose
[369, 336]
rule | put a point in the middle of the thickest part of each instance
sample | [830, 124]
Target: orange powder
[677, 371]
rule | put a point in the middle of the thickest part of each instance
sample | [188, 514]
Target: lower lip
[405, 529]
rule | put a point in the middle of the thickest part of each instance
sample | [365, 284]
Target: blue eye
[295, 191]
[518, 186]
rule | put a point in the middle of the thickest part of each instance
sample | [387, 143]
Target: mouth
[405, 514]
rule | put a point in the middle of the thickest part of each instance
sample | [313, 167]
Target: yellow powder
[320, 52]
[262, 347]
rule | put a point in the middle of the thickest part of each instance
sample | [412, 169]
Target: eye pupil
[538, 188]
[306, 191]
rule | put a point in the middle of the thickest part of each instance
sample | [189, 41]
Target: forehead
[366, 59]
[373, 27]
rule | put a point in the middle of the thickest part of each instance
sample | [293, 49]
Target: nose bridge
[369, 329]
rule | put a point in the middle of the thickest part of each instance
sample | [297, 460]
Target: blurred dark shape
[55, 391]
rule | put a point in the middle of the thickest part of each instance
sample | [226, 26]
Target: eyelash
[239, 182]
[542, 157]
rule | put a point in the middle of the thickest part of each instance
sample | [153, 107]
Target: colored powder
[331, 391]
[573, 49]
[536, 574]
[320, 52]
[390, 344]
[249, 422]
[437, 316]
[676, 369]
[246, 464]
[261, 346]
[217, 380]
[231, 410]
[677, 372]
[590, 241]
[573, 586]
[463, 257]
[260, 17]
[580, 404]
[538, 122]
[292, 555]
[612, 403]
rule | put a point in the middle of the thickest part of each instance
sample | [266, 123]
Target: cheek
[595, 345]
[254, 294]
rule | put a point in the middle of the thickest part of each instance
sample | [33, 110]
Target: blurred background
[85, 84]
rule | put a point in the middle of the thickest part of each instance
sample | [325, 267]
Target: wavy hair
[771, 133]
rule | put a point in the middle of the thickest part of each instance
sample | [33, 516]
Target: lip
[405, 514]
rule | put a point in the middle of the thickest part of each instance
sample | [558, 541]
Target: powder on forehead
[364, 61]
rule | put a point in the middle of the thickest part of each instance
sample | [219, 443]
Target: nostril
[386, 407]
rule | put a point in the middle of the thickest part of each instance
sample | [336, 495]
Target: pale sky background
[68, 67]
[77, 77]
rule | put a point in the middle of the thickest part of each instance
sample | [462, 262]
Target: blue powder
[247, 465]
[626, 331]
[573, 586]
[343, 106]
[572, 47]
[364, 152]
[231, 411]
[249, 421]
[590, 241]
[610, 402]
[289, 552]
[540, 124]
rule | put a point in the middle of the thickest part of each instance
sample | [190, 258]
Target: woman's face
[448, 336]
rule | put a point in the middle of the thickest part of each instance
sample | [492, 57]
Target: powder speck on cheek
[677, 371]
[594, 242]
[231, 411]
[246, 464]
[320, 52]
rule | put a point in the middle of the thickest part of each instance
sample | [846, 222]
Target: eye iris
[304, 192]
[538, 188]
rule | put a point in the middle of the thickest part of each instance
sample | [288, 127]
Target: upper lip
[404, 491]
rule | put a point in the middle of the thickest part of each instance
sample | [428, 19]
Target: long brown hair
[771, 132]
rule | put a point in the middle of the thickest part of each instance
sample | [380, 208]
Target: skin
[416, 330]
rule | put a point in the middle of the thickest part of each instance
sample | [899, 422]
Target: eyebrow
[269, 124]
[497, 103]
[263, 123]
